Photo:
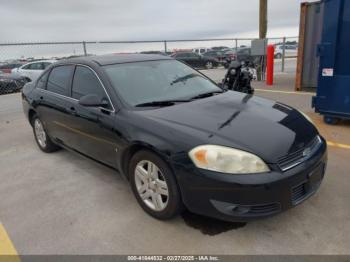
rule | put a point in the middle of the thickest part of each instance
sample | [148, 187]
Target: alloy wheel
[40, 133]
[151, 185]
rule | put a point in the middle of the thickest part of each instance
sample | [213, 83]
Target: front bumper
[250, 196]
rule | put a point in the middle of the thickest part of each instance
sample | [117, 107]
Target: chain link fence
[14, 55]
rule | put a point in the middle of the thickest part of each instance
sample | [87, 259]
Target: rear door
[196, 60]
[92, 128]
[54, 101]
[187, 58]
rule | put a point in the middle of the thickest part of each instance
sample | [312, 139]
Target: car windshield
[153, 81]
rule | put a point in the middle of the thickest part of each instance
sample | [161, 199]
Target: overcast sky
[74, 20]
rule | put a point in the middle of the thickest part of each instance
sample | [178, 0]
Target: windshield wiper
[206, 95]
[161, 103]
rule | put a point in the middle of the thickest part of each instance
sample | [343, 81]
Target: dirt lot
[62, 203]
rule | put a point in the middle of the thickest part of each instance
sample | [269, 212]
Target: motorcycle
[238, 77]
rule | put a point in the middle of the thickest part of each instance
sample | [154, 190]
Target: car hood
[263, 127]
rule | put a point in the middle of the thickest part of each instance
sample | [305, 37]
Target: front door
[53, 101]
[92, 128]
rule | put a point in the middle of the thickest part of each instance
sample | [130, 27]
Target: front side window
[85, 82]
[143, 82]
[60, 79]
[26, 66]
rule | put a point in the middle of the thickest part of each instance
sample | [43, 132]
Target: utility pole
[262, 19]
[262, 35]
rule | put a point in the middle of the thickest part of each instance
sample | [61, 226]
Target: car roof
[188, 52]
[117, 58]
[41, 61]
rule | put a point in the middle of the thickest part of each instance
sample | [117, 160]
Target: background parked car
[7, 67]
[219, 48]
[290, 51]
[196, 60]
[31, 71]
[200, 50]
[242, 54]
[11, 83]
[218, 55]
[153, 53]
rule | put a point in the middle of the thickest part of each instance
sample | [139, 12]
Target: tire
[209, 65]
[278, 56]
[161, 196]
[41, 138]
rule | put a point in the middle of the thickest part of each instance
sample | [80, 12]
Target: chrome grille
[299, 156]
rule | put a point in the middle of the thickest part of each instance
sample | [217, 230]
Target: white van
[200, 50]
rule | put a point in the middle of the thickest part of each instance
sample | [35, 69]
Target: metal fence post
[283, 53]
[84, 48]
[236, 40]
[165, 46]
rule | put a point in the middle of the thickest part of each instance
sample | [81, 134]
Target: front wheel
[154, 185]
[41, 137]
[209, 65]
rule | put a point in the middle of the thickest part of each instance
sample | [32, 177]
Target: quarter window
[42, 81]
[85, 82]
[60, 79]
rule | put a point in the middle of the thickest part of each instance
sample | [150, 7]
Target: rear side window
[85, 82]
[36, 66]
[46, 64]
[60, 79]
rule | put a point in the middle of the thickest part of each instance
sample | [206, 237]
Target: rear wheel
[154, 185]
[278, 56]
[41, 137]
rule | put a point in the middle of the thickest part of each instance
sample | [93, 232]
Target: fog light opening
[241, 209]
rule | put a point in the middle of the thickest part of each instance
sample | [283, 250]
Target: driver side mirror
[92, 100]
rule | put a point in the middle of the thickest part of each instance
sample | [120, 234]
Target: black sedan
[216, 55]
[180, 140]
[195, 60]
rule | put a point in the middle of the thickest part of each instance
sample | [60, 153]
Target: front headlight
[306, 116]
[227, 160]
[233, 71]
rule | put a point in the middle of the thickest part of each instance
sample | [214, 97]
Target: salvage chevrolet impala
[180, 140]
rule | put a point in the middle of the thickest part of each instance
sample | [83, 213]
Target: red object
[269, 64]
